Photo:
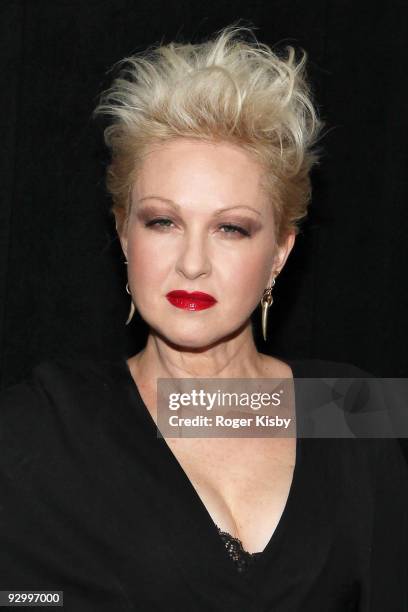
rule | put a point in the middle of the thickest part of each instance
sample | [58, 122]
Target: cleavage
[243, 484]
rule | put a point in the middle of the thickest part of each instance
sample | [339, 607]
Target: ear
[281, 255]
[123, 242]
[121, 230]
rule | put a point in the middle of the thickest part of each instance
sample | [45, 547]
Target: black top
[236, 552]
[94, 504]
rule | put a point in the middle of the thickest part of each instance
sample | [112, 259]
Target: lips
[197, 300]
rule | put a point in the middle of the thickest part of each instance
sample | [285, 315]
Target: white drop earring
[266, 303]
[132, 306]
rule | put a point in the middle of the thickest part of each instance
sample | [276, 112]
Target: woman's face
[199, 221]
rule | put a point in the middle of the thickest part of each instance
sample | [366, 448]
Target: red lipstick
[191, 301]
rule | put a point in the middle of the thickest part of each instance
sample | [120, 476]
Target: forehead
[188, 170]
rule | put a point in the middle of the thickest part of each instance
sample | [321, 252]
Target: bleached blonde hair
[224, 89]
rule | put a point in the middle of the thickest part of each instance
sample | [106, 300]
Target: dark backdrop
[343, 294]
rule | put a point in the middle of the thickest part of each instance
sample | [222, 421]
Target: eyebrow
[219, 211]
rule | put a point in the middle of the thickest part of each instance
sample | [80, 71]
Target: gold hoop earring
[132, 306]
[266, 303]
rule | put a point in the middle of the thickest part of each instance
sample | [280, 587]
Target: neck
[235, 357]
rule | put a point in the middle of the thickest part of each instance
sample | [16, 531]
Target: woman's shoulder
[62, 404]
[365, 407]
[326, 368]
[70, 381]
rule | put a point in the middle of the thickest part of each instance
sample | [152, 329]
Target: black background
[343, 294]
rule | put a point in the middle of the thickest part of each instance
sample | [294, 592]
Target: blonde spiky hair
[224, 89]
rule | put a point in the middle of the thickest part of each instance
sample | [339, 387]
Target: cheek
[245, 279]
[148, 265]
[252, 272]
[150, 248]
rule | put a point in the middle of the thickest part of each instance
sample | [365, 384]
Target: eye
[162, 222]
[235, 229]
[231, 228]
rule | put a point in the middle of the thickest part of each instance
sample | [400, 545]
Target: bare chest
[243, 483]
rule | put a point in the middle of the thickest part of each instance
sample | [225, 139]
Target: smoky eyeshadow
[148, 212]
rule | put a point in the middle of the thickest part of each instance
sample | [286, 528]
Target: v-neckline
[202, 526]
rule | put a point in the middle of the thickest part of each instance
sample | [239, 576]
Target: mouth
[197, 300]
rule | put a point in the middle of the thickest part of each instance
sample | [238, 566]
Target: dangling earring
[132, 306]
[266, 302]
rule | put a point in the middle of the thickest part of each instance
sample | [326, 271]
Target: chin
[193, 335]
[188, 340]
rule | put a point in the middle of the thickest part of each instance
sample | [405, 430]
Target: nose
[193, 259]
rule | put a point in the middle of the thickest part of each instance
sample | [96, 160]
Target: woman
[212, 147]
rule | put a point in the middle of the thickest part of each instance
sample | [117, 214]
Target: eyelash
[239, 229]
